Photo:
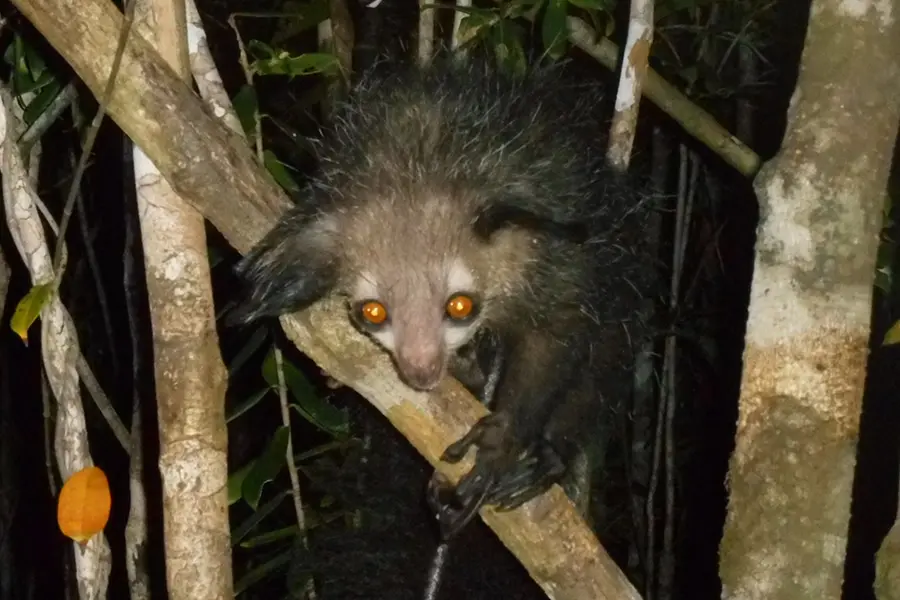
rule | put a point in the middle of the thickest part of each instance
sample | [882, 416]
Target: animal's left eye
[374, 312]
[460, 307]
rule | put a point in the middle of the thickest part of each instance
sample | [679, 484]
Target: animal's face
[422, 271]
[412, 287]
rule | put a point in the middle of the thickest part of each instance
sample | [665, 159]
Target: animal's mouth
[424, 378]
[420, 382]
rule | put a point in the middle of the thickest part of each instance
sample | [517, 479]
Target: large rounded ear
[501, 215]
[293, 266]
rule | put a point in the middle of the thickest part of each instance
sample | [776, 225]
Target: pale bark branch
[207, 77]
[631, 83]
[456, 40]
[425, 38]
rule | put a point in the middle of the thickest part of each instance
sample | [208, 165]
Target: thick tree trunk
[190, 376]
[821, 200]
[214, 170]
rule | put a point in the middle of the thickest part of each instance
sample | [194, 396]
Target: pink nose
[420, 368]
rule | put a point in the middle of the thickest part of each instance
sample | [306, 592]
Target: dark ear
[293, 266]
[500, 215]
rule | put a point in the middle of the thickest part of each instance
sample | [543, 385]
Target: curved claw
[451, 513]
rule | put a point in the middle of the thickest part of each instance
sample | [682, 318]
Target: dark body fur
[507, 176]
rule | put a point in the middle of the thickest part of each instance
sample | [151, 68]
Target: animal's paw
[505, 474]
[533, 474]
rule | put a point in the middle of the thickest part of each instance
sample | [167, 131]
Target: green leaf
[266, 467]
[475, 25]
[506, 38]
[241, 531]
[29, 71]
[34, 59]
[247, 404]
[11, 52]
[256, 340]
[29, 309]
[42, 101]
[283, 63]
[25, 83]
[312, 520]
[277, 170]
[245, 106]
[554, 31]
[893, 334]
[326, 447]
[261, 572]
[310, 406]
[214, 253]
[258, 49]
[236, 482]
[270, 537]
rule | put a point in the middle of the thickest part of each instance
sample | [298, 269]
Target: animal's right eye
[373, 312]
[460, 307]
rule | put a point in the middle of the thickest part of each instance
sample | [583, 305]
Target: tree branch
[696, 121]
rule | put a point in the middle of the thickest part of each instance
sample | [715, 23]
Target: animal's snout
[421, 365]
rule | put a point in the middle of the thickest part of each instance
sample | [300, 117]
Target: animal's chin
[419, 384]
[421, 373]
[422, 387]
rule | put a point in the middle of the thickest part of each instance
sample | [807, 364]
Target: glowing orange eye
[460, 306]
[374, 312]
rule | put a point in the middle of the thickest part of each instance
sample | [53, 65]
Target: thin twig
[91, 255]
[103, 403]
[48, 445]
[136, 526]
[292, 466]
